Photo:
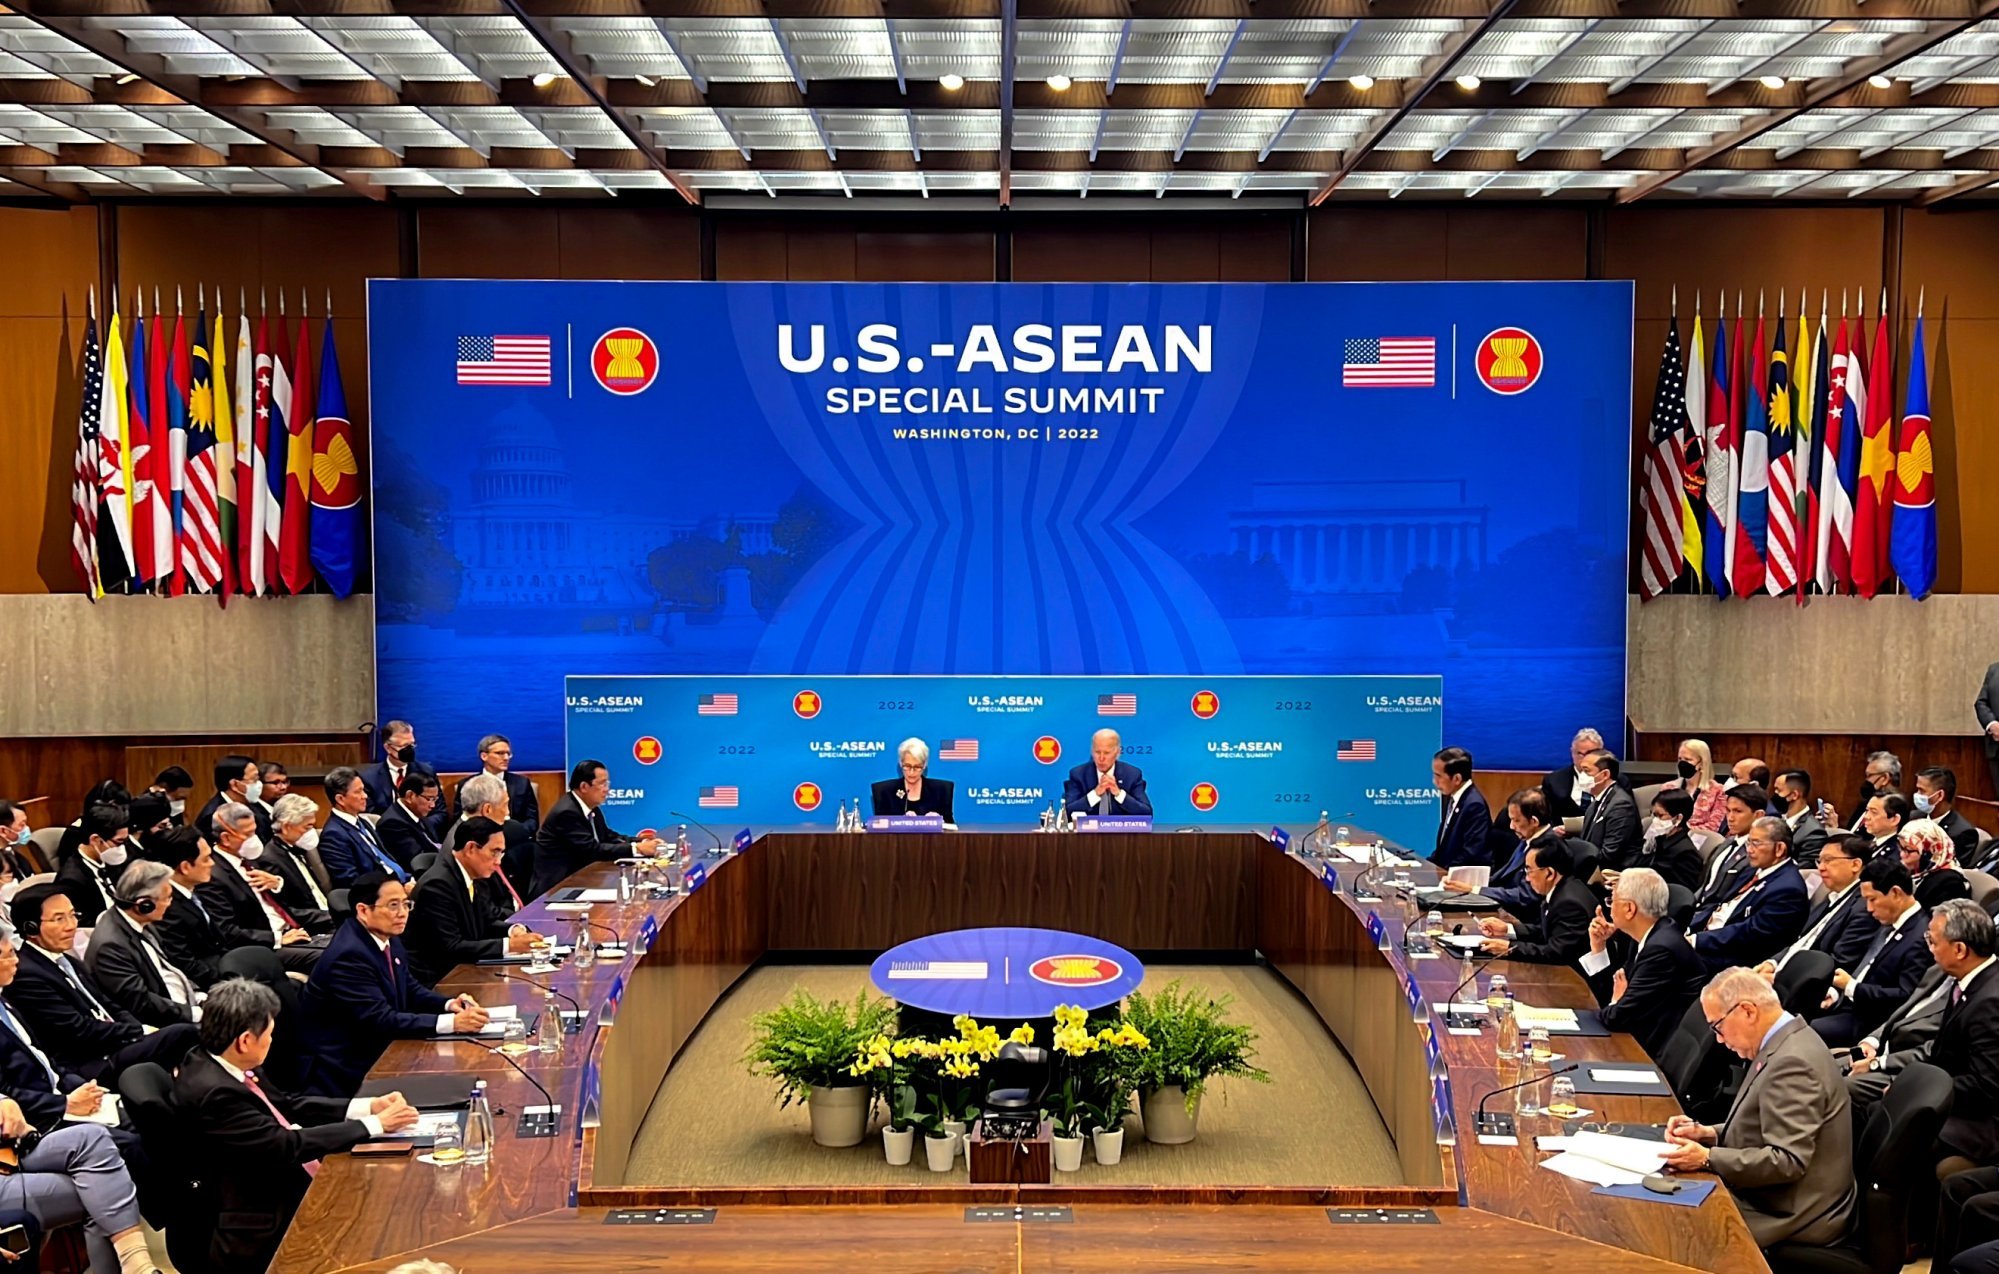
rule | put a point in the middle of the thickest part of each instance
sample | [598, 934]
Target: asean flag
[336, 478]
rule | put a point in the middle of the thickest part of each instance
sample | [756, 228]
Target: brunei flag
[336, 478]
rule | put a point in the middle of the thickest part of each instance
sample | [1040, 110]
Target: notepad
[1472, 878]
[106, 1113]
[1621, 1075]
[1530, 1018]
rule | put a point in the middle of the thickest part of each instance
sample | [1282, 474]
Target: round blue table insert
[1006, 974]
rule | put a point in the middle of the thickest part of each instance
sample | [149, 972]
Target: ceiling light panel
[495, 48]
[731, 49]
[839, 49]
[1082, 49]
[30, 50]
[280, 46]
[399, 127]
[395, 48]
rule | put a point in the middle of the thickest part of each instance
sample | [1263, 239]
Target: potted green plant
[807, 1046]
[1192, 1041]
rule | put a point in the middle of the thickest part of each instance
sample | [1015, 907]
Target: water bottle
[584, 953]
[1506, 1029]
[479, 1126]
[548, 1039]
[1321, 835]
[860, 824]
[682, 844]
[1048, 818]
[840, 823]
[1416, 941]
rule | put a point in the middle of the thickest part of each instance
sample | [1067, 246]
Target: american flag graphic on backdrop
[718, 798]
[503, 360]
[1390, 362]
[722, 705]
[1118, 705]
[1355, 750]
[958, 750]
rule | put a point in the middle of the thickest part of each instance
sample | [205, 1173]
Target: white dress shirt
[180, 988]
[1811, 935]
[1117, 793]
[357, 1108]
[1594, 962]
[1726, 910]
[445, 1021]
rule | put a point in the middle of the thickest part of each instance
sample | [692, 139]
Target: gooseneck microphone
[1451, 1017]
[1501, 1125]
[546, 989]
[703, 826]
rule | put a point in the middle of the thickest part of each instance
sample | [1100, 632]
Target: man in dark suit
[125, 958]
[574, 834]
[89, 872]
[404, 829]
[1862, 998]
[1464, 828]
[1900, 1042]
[1765, 914]
[485, 796]
[454, 920]
[81, 1028]
[1639, 966]
[384, 778]
[1966, 1046]
[348, 845]
[288, 854]
[496, 754]
[1987, 708]
[1839, 922]
[1561, 935]
[1936, 797]
[1610, 821]
[1786, 1149]
[14, 864]
[1565, 788]
[362, 995]
[1527, 816]
[255, 1146]
[237, 779]
[915, 792]
[195, 937]
[1104, 784]
[1791, 791]
[241, 894]
[1729, 865]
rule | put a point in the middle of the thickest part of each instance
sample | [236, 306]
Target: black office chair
[185, 1206]
[1803, 981]
[1588, 858]
[423, 862]
[1893, 1151]
[338, 907]
[1019, 1078]
[1697, 1066]
[1680, 905]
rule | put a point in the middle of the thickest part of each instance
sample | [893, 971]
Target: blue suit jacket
[351, 1010]
[1905, 955]
[1769, 918]
[1083, 780]
[23, 1079]
[1462, 842]
[345, 852]
[1508, 886]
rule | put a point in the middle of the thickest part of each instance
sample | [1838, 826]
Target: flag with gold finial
[294, 554]
[1784, 541]
[1912, 544]
[201, 514]
[225, 451]
[1693, 459]
[1876, 497]
[336, 476]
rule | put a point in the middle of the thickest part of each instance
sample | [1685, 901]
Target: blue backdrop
[823, 479]
[731, 751]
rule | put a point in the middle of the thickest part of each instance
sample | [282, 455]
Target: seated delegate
[1104, 784]
[915, 792]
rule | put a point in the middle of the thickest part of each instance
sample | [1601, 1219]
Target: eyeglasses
[393, 908]
[1714, 1024]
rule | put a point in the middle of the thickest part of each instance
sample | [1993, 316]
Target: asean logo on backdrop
[625, 361]
[806, 703]
[1508, 361]
[1048, 749]
[1206, 704]
[1204, 797]
[807, 796]
[1075, 970]
[646, 750]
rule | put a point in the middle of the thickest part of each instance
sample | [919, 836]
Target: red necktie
[511, 892]
[311, 1166]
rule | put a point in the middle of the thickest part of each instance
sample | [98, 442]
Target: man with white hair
[486, 796]
[1104, 784]
[1567, 786]
[1639, 964]
[242, 893]
[1786, 1149]
[915, 792]
[288, 854]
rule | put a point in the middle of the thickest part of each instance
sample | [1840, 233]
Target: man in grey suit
[1786, 1149]
[1899, 1042]
[1987, 708]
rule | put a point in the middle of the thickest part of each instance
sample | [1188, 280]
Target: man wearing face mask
[1792, 793]
[288, 854]
[277, 785]
[1882, 775]
[237, 779]
[1936, 797]
[383, 779]
[172, 785]
[89, 872]
[239, 890]
[1611, 822]
[1565, 788]
[14, 866]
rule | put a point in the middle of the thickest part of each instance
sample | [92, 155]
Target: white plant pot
[1068, 1153]
[956, 1129]
[1108, 1143]
[839, 1115]
[940, 1152]
[898, 1145]
[1167, 1122]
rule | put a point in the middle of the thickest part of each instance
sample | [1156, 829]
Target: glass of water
[1538, 1047]
[1562, 1097]
[514, 1040]
[1495, 990]
[540, 950]
[448, 1147]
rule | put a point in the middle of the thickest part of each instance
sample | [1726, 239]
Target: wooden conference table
[540, 1204]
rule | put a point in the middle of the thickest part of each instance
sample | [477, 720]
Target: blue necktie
[387, 863]
[1874, 949]
[62, 962]
[55, 1080]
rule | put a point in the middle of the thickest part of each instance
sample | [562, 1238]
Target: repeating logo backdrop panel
[1257, 750]
[1008, 479]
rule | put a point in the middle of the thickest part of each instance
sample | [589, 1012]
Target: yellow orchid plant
[1096, 1069]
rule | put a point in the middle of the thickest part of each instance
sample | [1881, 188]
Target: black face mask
[1688, 769]
[406, 754]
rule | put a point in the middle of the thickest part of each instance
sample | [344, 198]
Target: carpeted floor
[713, 1124]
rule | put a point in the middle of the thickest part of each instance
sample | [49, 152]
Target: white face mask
[253, 790]
[250, 850]
[1660, 826]
[310, 840]
[1728, 784]
[113, 855]
[176, 808]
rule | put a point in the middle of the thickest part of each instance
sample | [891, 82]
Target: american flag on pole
[503, 360]
[722, 705]
[958, 750]
[1665, 497]
[83, 485]
[1118, 705]
[1355, 750]
[1390, 362]
[717, 798]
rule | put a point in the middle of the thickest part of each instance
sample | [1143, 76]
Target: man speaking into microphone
[915, 792]
[1105, 785]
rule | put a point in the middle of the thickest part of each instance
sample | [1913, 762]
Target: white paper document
[1462, 941]
[1606, 1160]
[596, 895]
[1622, 1075]
[1475, 1009]
[1547, 1019]
[1472, 878]
[106, 1113]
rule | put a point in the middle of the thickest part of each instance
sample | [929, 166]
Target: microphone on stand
[546, 989]
[1478, 964]
[1499, 1124]
[703, 826]
[550, 1101]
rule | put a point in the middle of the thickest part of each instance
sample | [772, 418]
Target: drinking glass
[1538, 1047]
[514, 1040]
[448, 1148]
[1562, 1097]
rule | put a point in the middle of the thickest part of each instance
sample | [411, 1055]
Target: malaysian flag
[503, 360]
[1355, 750]
[717, 798]
[1396, 362]
[958, 750]
[715, 706]
[1120, 705]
